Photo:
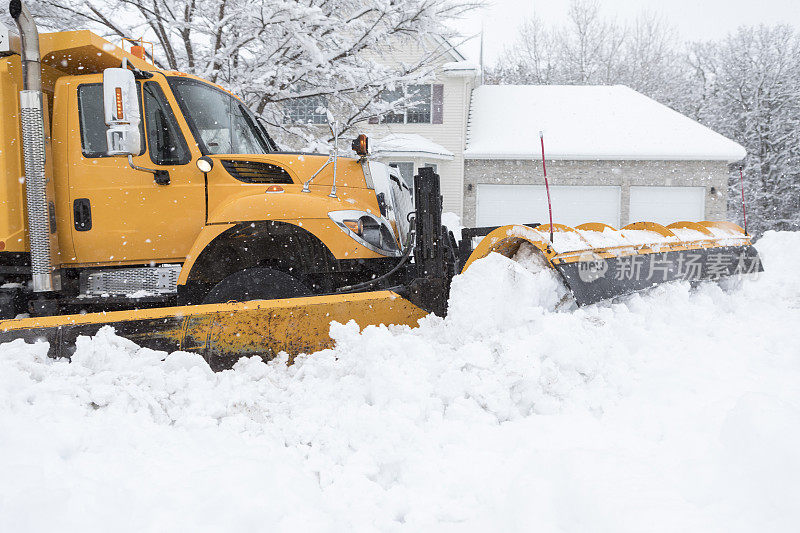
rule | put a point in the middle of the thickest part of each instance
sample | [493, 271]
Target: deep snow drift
[677, 410]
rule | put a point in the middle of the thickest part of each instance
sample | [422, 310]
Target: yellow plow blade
[222, 333]
[598, 262]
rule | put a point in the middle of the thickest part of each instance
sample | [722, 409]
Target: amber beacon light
[361, 145]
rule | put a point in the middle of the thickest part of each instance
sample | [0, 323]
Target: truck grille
[256, 171]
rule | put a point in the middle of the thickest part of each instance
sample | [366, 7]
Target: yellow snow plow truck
[156, 202]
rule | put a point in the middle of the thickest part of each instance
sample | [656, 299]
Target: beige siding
[450, 134]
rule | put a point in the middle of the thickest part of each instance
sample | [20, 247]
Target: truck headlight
[368, 230]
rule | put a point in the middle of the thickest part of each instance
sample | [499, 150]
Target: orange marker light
[274, 189]
[119, 103]
[353, 226]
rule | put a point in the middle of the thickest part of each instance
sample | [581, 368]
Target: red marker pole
[547, 186]
[744, 209]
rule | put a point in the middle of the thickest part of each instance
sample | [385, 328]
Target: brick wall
[597, 172]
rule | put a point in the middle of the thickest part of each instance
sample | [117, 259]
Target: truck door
[120, 214]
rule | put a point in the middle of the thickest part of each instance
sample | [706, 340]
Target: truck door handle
[161, 177]
[82, 211]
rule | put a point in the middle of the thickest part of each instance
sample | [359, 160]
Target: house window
[418, 112]
[406, 169]
[309, 110]
[392, 96]
[433, 166]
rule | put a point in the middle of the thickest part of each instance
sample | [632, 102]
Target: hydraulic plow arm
[598, 262]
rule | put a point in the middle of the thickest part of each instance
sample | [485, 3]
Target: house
[432, 132]
[613, 155]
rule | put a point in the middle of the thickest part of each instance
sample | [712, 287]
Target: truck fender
[207, 234]
[340, 245]
[307, 211]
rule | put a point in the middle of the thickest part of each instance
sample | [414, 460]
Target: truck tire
[8, 304]
[257, 283]
[15, 301]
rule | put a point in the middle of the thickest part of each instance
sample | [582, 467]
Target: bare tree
[532, 59]
[748, 88]
[586, 50]
[651, 60]
[272, 51]
[590, 46]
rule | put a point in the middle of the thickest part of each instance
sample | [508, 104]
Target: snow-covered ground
[677, 410]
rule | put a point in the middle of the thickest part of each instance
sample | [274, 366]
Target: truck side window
[167, 145]
[92, 120]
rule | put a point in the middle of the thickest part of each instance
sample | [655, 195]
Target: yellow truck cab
[193, 204]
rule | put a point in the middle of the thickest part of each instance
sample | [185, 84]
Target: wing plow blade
[598, 262]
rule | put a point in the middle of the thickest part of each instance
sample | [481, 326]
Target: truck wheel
[257, 283]
[8, 304]
[14, 301]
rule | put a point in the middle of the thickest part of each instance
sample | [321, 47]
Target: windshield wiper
[272, 145]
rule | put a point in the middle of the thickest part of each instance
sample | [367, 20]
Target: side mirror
[122, 115]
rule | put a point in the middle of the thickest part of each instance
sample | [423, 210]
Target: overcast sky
[693, 19]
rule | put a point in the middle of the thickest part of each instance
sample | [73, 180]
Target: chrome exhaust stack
[41, 210]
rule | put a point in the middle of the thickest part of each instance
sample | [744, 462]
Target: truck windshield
[219, 122]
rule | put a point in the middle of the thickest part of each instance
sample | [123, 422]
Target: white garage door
[665, 205]
[572, 204]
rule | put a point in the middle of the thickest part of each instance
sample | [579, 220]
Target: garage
[665, 205]
[499, 204]
[663, 166]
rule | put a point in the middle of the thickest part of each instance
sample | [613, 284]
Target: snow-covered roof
[408, 145]
[460, 69]
[586, 122]
[460, 65]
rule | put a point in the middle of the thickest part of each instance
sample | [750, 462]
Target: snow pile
[453, 223]
[674, 410]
